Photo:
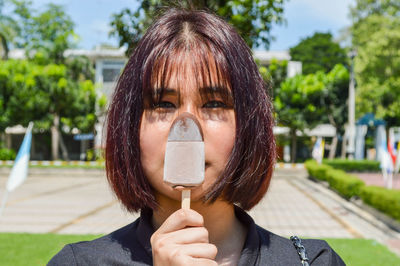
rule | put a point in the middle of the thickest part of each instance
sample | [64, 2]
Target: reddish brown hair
[247, 175]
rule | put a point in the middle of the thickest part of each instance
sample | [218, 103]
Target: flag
[19, 170]
[386, 164]
[318, 150]
[391, 146]
[397, 164]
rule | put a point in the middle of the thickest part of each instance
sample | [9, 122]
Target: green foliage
[385, 200]
[298, 99]
[353, 165]
[318, 53]
[79, 68]
[7, 154]
[8, 30]
[275, 73]
[335, 98]
[305, 101]
[345, 184]
[32, 92]
[317, 170]
[376, 37]
[48, 33]
[252, 18]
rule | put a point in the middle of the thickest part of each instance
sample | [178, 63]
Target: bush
[385, 200]
[345, 184]
[7, 154]
[316, 170]
[353, 165]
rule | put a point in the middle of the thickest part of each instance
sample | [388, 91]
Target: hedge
[385, 200]
[353, 165]
[345, 184]
[7, 154]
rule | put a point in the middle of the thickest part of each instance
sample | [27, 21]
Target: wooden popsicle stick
[186, 199]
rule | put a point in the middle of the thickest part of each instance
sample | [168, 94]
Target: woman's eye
[166, 105]
[214, 104]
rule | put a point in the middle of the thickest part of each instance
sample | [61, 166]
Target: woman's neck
[224, 229]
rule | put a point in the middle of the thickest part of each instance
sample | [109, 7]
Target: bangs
[179, 62]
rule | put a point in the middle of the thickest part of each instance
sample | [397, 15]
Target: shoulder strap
[301, 250]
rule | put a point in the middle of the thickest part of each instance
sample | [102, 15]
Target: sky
[303, 18]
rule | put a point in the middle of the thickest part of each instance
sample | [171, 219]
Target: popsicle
[184, 161]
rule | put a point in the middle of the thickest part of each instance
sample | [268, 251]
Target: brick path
[80, 202]
[376, 179]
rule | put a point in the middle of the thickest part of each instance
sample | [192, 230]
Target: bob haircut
[214, 43]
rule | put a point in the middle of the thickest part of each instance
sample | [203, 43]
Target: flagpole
[4, 201]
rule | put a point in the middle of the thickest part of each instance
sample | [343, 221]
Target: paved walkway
[80, 202]
[376, 179]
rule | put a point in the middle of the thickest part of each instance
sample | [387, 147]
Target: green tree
[318, 53]
[297, 103]
[48, 34]
[67, 96]
[252, 18]
[335, 102]
[47, 95]
[8, 30]
[275, 73]
[304, 101]
[376, 37]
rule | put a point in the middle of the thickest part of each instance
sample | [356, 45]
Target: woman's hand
[183, 240]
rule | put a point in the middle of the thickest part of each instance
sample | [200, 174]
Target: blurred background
[333, 68]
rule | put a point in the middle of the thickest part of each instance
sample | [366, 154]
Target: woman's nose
[189, 107]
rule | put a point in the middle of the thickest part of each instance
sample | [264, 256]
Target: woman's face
[211, 103]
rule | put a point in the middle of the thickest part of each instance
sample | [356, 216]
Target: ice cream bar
[184, 154]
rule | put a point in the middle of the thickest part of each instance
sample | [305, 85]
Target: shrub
[354, 165]
[345, 184]
[316, 170]
[385, 200]
[7, 154]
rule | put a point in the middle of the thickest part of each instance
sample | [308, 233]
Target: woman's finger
[180, 219]
[198, 250]
[187, 236]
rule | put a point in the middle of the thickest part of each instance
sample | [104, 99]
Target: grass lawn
[363, 252]
[33, 249]
[37, 249]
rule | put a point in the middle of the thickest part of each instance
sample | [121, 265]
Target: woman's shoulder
[115, 248]
[282, 251]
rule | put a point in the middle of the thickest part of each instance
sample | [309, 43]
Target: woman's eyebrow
[163, 91]
[218, 90]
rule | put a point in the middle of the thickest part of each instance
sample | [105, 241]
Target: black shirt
[130, 245]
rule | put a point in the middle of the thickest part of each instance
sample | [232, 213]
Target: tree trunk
[8, 141]
[5, 47]
[332, 150]
[2, 139]
[293, 137]
[344, 140]
[63, 148]
[55, 136]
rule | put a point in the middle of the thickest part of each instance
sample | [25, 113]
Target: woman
[191, 61]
